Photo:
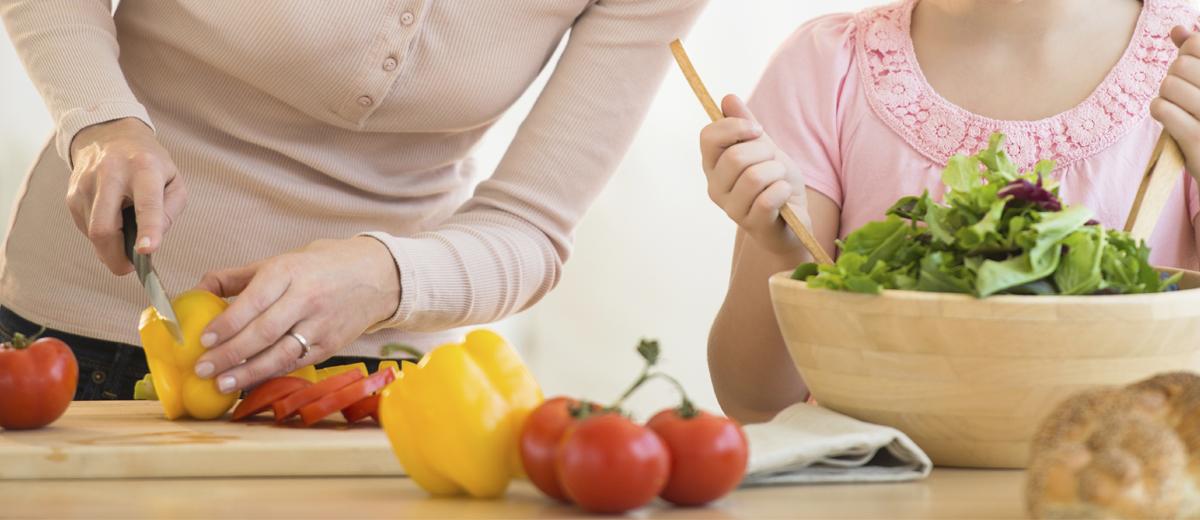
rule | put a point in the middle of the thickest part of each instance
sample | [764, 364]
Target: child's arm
[752, 372]
[750, 178]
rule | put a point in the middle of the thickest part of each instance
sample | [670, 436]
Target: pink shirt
[846, 99]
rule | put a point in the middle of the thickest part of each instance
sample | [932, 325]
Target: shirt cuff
[77, 119]
[430, 272]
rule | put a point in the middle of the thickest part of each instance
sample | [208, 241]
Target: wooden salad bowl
[970, 379]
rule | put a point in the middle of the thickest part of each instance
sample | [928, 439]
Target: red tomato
[37, 382]
[266, 394]
[540, 436]
[708, 455]
[608, 464]
[288, 406]
[361, 409]
[346, 396]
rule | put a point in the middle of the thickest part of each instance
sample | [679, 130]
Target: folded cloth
[810, 444]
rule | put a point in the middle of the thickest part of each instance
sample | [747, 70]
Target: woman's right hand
[750, 178]
[116, 162]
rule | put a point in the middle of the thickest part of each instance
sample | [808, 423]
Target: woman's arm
[751, 370]
[500, 252]
[505, 248]
[69, 48]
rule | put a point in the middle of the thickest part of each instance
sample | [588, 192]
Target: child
[857, 110]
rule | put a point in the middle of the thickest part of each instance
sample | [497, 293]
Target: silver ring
[303, 343]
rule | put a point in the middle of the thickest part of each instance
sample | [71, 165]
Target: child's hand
[1178, 104]
[750, 178]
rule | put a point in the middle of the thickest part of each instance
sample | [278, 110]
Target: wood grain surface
[948, 493]
[131, 439]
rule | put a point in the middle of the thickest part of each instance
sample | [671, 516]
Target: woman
[325, 149]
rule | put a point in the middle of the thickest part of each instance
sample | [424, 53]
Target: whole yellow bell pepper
[454, 417]
[181, 392]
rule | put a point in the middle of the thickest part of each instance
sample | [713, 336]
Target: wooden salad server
[789, 216]
[1162, 173]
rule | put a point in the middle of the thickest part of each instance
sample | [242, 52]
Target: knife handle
[129, 229]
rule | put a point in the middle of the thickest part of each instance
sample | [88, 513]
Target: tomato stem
[21, 341]
[649, 350]
[580, 410]
[686, 409]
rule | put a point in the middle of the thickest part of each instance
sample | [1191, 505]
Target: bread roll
[1131, 452]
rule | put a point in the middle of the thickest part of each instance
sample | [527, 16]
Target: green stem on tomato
[648, 349]
[20, 341]
[686, 409]
[581, 410]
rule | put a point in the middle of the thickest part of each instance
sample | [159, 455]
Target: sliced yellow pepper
[306, 372]
[328, 372]
[454, 418]
[181, 392]
[389, 363]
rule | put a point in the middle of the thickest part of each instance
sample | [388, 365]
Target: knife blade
[146, 274]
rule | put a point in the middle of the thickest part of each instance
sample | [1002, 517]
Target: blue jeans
[108, 369]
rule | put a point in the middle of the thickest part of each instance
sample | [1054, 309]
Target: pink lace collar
[899, 93]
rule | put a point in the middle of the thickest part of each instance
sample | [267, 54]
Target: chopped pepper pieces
[454, 417]
[181, 392]
[328, 372]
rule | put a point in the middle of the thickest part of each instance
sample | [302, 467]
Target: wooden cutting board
[131, 439]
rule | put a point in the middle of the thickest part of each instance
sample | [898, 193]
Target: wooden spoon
[789, 216]
[1162, 173]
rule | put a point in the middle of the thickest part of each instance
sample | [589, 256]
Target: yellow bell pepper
[454, 417]
[389, 363]
[181, 392]
[306, 372]
[328, 372]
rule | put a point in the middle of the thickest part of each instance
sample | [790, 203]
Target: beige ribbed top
[298, 120]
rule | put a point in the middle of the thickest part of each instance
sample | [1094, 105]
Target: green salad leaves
[999, 231]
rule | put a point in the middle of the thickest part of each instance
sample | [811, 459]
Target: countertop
[947, 493]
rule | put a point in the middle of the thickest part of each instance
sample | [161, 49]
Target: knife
[147, 275]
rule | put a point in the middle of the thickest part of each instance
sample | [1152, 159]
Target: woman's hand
[329, 292]
[115, 162]
[1178, 104]
[751, 178]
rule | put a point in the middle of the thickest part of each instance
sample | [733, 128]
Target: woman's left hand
[1178, 104]
[329, 292]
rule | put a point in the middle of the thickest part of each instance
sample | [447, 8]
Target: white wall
[652, 257]
[24, 127]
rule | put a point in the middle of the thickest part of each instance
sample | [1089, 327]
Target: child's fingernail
[142, 243]
[208, 339]
[756, 128]
[204, 369]
[225, 383]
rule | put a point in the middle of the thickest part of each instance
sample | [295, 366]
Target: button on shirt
[295, 121]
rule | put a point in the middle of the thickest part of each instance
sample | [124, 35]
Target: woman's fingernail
[204, 369]
[225, 383]
[208, 339]
[142, 243]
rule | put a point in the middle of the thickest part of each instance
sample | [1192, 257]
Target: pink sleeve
[798, 100]
[69, 48]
